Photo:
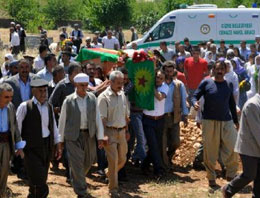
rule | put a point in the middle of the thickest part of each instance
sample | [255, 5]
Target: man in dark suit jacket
[10, 139]
[21, 83]
[22, 36]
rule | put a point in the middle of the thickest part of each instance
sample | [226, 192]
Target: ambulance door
[197, 26]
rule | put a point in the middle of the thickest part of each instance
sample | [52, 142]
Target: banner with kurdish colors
[142, 75]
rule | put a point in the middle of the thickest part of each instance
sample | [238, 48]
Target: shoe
[224, 192]
[212, 183]
[229, 179]
[137, 163]
[198, 166]
[101, 172]
[9, 192]
[22, 176]
[69, 181]
[159, 173]
[122, 179]
[114, 194]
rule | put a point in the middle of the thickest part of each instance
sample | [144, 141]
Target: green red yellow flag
[141, 74]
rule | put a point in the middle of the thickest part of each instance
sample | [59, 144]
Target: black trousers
[251, 172]
[37, 162]
[16, 50]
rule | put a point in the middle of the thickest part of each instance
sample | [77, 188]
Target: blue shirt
[25, 89]
[219, 101]
[245, 53]
[4, 120]
[169, 99]
[45, 74]
[4, 127]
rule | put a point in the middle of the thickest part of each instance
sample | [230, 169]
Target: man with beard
[219, 133]
[175, 111]
[21, 83]
[95, 84]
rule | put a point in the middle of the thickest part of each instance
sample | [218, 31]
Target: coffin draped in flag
[140, 72]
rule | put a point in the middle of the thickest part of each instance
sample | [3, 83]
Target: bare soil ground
[181, 182]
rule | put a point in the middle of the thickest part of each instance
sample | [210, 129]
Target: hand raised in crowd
[20, 152]
[58, 152]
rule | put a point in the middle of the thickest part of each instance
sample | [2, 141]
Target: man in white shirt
[80, 132]
[182, 52]
[166, 52]
[110, 42]
[153, 122]
[39, 60]
[46, 73]
[38, 128]
[95, 43]
[15, 41]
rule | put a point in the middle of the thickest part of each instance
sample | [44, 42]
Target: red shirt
[195, 71]
[182, 78]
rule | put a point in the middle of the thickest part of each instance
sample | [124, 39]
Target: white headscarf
[207, 56]
[231, 77]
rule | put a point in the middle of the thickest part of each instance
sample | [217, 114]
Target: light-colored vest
[72, 126]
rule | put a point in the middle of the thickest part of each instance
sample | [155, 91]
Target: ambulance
[201, 23]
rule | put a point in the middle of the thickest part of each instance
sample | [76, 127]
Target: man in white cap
[79, 132]
[38, 128]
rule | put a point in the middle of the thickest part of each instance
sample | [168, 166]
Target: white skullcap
[81, 78]
[230, 51]
[10, 57]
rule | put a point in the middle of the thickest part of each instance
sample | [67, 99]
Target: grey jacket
[248, 140]
[13, 127]
[14, 82]
[72, 125]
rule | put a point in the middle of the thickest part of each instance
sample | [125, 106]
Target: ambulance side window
[162, 31]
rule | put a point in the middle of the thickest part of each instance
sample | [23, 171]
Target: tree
[111, 12]
[59, 10]
[170, 5]
[236, 3]
[23, 11]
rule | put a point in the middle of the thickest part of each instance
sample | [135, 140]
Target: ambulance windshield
[162, 31]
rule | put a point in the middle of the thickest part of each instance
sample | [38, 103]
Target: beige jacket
[248, 140]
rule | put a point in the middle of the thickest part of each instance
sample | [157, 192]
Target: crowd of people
[55, 110]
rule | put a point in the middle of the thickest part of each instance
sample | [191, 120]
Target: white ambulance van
[201, 23]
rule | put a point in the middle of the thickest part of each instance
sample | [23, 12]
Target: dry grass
[4, 36]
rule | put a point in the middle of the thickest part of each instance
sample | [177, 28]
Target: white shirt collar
[35, 101]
